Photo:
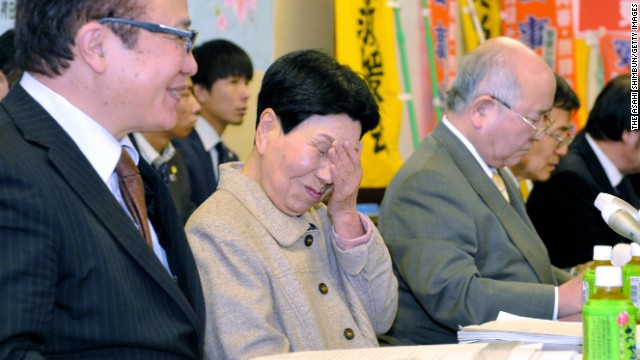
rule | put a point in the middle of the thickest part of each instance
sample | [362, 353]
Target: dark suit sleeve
[27, 268]
[564, 215]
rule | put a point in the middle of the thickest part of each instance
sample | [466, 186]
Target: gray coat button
[323, 288]
[348, 334]
[308, 240]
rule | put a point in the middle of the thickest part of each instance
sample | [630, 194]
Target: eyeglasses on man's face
[562, 137]
[188, 36]
[538, 132]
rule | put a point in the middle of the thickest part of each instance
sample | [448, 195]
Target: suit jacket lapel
[516, 198]
[598, 173]
[168, 227]
[630, 191]
[228, 155]
[592, 162]
[204, 158]
[73, 166]
[515, 222]
[201, 174]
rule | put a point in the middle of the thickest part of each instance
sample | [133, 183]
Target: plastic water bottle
[609, 319]
[601, 257]
[631, 277]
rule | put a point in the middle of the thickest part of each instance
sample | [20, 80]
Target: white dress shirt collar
[208, 135]
[97, 144]
[150, 154]
[613, 174]
[145, 149]
[468, 145]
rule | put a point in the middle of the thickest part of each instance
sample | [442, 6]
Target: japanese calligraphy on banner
[487, 17]
[7, 14]
[509, 19]
[547, 27]
[615, 49]
[366, 42]
[444, 22]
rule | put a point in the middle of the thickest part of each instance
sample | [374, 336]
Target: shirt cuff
[347, 244]
[555, 306]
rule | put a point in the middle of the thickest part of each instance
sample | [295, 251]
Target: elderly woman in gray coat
[281, 270]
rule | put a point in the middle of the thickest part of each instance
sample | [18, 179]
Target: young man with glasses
[600, 159]
[94, 262]
[463, 247]
[544, 155]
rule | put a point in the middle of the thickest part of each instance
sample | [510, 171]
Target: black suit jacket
[78, 281]
[562, 208]
[175, 175]
[201, 175]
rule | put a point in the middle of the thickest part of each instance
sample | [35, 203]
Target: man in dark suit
[462, 246]
[203, 179]
[600, 159]
[221, 86]
[80, 277]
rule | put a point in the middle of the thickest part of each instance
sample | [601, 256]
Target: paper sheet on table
[502, 351]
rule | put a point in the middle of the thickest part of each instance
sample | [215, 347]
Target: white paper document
[503, 351]
[508, 327]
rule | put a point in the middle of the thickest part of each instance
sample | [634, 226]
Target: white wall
[297, 24]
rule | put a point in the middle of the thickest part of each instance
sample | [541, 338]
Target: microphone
[621, 254]
[621, 221]
[603, 199]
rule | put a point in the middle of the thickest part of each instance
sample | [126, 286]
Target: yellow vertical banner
[480, 20]
[365, 41]
[582, 74]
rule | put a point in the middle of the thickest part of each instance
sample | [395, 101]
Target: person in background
[94, 261]
[544, 155]
[9, 70]
[600, 159]
[462, 246]
[282, 271]
[156, 149]
[221, 86]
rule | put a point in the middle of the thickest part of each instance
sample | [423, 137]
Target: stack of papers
[555, 335]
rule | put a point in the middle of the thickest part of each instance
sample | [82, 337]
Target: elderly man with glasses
[544, 155]
[462, 245]
[600, 159]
